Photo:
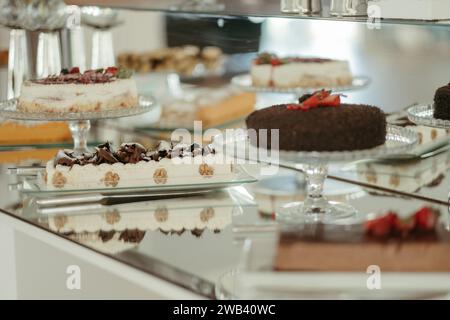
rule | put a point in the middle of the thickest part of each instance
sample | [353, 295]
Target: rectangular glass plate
[35, 185]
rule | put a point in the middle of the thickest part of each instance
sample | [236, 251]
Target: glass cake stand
[423, 115]
[316, 208]
[244, 82]
[79, 122]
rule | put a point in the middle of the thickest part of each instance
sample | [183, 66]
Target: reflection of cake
[268, 70]
[183, 60]
[111, 242]
[415, 244]
[197, 214]
[72, 91]
[405, 176]
[429, 138]
[13, 132]
[321, 123]
[442, 103]
[114, 229]
[132, 165]
[211, 107]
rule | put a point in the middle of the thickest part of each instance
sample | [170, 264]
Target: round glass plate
[316, 208]
[245, 83]
[398, 140]
[8, 110]
[423, 115]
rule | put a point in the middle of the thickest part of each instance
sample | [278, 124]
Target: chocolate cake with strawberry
[417, 243]
[320, 122]
[75, 91]
[442, 103]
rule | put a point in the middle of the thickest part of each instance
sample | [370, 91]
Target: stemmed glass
[48, 17]
[18, 64]
[102, 20]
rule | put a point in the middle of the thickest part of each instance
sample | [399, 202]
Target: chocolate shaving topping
[104, 154]
[106, 235]
[134, 235]
[131, 153]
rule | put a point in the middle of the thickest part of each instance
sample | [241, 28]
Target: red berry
[425, 219]
[74, 70]
[380, 227]
[331, 101]
[275, 62]
[111, 70]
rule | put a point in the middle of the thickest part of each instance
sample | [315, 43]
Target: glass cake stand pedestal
[315, 208]
[423, 115]
[79, 122]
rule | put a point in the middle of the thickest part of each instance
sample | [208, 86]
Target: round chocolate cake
[442, 103]
[337, 127]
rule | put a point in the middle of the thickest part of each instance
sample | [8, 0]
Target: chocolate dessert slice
[442, 103]
[415, 245]
[323, 126]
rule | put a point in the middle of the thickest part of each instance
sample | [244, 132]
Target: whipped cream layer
[302, 74]
[78, 97]
[143, 173]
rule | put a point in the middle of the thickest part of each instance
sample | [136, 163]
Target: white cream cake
[134, 166]
[268, 70]
[72, 91]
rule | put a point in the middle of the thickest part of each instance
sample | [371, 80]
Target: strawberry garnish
[425, 219]
[74, 70]
[275, 62]
[322, 98]
[111, 70]
[380, 227]
[331, 101]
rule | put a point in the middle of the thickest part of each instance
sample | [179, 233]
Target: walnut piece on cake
[58, 180]
[160, 176]
[111, 179]
[206, 170]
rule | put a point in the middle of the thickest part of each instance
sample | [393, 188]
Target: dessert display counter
[254, 153]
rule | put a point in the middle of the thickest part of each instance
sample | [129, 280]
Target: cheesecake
[268, 70]
[73, 91]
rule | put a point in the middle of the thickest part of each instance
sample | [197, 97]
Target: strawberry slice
[316, 98]
[319, 98]
[380, 227]
[333, 100]
[74, 70]
[426, 219]
[275, 62]
[111, 70]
